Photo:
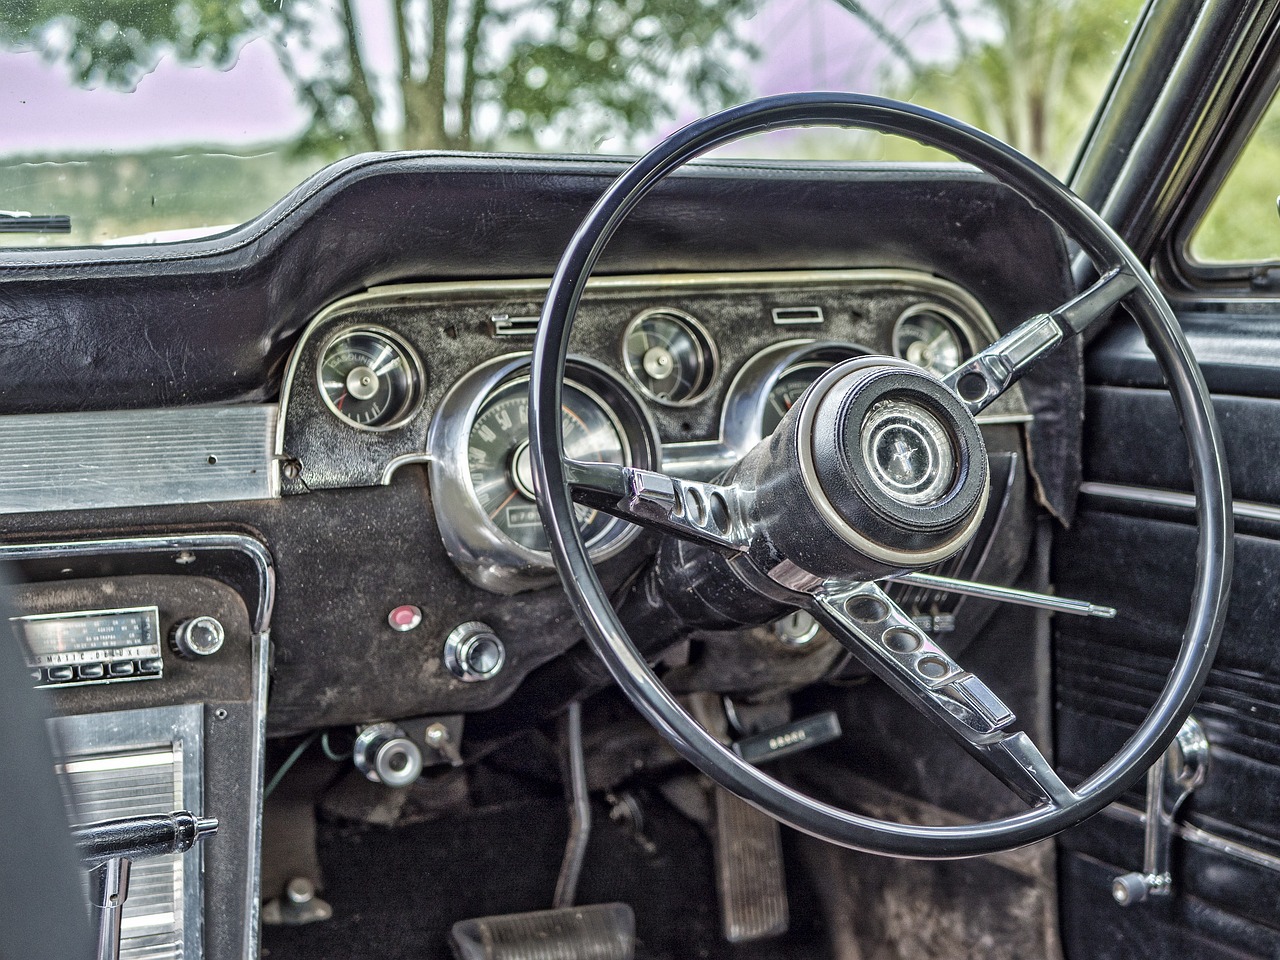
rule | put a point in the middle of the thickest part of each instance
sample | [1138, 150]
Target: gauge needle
[511, 496]
[338, 403]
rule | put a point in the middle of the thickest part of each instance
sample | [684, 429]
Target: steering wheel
[877, 469]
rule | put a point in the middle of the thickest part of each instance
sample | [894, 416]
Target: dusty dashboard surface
[427, 384]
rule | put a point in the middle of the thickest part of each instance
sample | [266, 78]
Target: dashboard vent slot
[508, 326]
[798, 316]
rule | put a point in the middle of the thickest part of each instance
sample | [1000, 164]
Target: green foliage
[591, 72]
[471, 73]
[1030, 72]
[1242, 224]
[118, 42]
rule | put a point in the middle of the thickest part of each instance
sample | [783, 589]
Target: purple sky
[250, 103]
[807, 44]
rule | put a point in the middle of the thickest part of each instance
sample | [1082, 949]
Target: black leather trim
[1236, 343]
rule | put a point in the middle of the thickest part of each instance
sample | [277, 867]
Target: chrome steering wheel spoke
[890, 644]
[979, 381]
[704, 513]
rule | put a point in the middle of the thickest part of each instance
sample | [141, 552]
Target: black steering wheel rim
[608, 636]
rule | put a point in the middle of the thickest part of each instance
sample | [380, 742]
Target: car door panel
[1131, 546]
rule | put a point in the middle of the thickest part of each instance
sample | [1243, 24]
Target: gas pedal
[605, 931]
[749, 877]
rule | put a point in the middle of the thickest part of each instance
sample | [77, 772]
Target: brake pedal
[749, 876]
[605, 931]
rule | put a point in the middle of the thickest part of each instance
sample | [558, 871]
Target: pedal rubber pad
[749, 877]
[605, 931]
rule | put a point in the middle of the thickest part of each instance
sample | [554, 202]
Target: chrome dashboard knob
[473, 652]
[197, 637]
[384, 754]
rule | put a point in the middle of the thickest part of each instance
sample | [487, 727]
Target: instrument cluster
[681, 374]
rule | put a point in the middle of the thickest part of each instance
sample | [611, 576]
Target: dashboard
[679, 373]
[312, 430]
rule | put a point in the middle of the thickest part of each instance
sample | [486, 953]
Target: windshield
[135, 121]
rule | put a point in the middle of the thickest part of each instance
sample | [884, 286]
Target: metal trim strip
[129, 458]
[1203, 838]
[1246, 509]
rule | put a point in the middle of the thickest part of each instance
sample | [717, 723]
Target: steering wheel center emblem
[907, 452]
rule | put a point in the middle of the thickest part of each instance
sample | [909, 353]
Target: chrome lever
[990, 591]
[1182, 769]
[108, 849]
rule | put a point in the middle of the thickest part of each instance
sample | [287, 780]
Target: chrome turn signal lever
[1182, 769]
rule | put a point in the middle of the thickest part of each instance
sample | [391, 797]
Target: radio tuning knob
[197, 637]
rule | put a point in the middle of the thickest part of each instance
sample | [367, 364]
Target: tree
[1027, 71]
[448, 74]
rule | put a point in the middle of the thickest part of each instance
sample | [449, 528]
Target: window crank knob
[1130, 888]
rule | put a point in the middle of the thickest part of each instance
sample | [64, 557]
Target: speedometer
[482, 487]
[501, 470]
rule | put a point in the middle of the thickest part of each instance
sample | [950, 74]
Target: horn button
[879, 468]
[908, 452]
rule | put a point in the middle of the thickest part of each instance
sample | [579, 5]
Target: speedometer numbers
[370, 378]
[669, 356]
[501, 471]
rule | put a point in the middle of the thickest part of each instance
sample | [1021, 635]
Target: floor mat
[396, 891]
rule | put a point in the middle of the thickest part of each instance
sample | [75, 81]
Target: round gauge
[501, 470]
[931, 339]
[786, 390]
[370, 378]
[669, 355]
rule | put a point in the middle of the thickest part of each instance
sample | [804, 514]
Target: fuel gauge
[370, 378]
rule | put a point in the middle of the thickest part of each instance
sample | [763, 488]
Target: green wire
[330, 752]
[284, 767]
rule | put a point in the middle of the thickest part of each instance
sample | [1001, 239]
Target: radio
[91, 646]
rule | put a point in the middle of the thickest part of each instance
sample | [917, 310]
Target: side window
[1242, 223]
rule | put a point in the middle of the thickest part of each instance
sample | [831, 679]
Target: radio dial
[198, 637]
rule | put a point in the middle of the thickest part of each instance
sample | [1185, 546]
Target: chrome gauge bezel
[969, 341]
[485, 554]
[416, 369]
[709, 366]
[749, 393]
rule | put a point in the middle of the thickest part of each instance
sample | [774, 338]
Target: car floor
[396, 891]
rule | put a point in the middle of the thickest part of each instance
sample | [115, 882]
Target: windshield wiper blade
[19, 221]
